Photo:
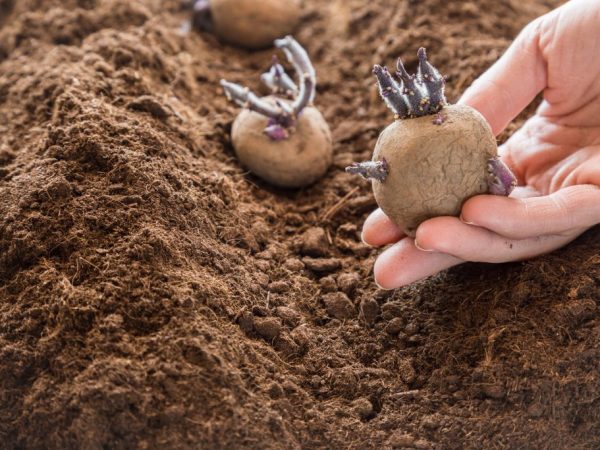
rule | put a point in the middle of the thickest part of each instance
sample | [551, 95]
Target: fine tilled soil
[155, 295]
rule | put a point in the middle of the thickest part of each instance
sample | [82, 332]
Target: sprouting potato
[297, 161]
[434, 156]
[282, 138]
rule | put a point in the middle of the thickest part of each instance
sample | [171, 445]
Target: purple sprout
[278, 80]
[418, 101]
[501, 180]
[283, 114]
[416, 95]
[391, 91]
[370, 170]
[432, 80]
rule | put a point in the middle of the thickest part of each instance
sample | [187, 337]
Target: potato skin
[295, 162]
[433, 169]
[254, 24]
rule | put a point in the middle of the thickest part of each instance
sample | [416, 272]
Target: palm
[548, 156]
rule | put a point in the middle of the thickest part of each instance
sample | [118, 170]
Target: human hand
[555, 156]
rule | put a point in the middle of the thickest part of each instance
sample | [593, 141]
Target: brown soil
[153, 295]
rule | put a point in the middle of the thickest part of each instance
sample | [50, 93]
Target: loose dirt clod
[363, 408]
[348, 282]
[290, 316]
[313, 242]
[322, 265]
[338, 305]
[369, 310]
[267, 327]
[394, 326]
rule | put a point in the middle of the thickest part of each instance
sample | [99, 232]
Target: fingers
[502, 92]
[506, 229]
[444, 242]
[403, 263]
[380, 230]
[471, 243]
[575, 207]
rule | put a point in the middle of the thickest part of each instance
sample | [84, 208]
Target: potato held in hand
[286, 143]
[253, 24]
[440, 166]
[434, 157]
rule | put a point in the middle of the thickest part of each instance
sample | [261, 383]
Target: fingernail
[362, 238]
[421, 248]
[462, 219]
[381, 287]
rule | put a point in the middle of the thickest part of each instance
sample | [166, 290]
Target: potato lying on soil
[253, 24]
[285, 142]
[434, 156]
[297, 161]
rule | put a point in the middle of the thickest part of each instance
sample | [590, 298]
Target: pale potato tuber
[253, 24]
[294, 162]
[434, 156]
[442, 165]
[285, 142]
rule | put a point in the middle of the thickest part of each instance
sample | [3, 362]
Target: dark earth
[155, 295]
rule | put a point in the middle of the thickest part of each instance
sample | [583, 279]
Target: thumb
[507, 87]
